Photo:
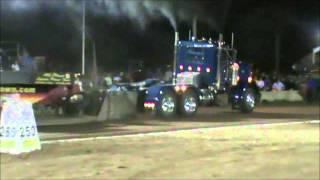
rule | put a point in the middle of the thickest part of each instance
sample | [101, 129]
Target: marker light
[238, 78]
[198, 68]
[183, 88]
[235, 66]
[189, 68]
[181, 67]
[149, 105]
[249, 79]
[208, 69]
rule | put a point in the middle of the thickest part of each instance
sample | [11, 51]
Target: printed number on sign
[9, 132]
[27, 131]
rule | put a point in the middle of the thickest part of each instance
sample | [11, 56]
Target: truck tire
[189, 104]
[167, 105]
[248, 102]
[72, 109]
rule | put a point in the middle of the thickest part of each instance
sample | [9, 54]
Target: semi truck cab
[209, 61]
[202, 71]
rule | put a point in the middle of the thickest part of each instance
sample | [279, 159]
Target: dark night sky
[53, 32]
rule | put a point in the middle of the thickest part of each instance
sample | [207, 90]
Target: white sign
[18, 129]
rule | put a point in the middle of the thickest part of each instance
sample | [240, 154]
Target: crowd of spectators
[276, 83]
[307, 85]
[23, 63]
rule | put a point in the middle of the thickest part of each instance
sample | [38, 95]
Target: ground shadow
[99, 127]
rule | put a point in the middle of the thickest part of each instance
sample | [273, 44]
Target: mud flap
[117, 105]
[222, 100]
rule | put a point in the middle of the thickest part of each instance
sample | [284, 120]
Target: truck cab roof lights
[198, 68]
[208, 70]
[189, 68]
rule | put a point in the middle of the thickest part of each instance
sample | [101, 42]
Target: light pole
[277, 52]
[94, 63]
[83, 36]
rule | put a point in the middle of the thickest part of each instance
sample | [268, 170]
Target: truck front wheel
[248, 102]
[167, 104]
[189, 103]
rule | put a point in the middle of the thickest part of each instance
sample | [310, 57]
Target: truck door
[226, 74]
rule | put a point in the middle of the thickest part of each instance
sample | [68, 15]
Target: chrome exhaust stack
[232, 40]
[174, 74]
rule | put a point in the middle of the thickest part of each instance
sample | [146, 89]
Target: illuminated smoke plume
[140, 12]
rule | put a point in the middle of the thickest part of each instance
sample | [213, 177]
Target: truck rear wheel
[167, 105]
[248, 102]
[73, 109]
[189, 103]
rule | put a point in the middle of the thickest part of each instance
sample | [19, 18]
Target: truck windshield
[194, 54]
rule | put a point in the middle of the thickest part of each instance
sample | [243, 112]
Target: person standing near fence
[311, 90]
[259, 82]
[108, 80]
[278, 85]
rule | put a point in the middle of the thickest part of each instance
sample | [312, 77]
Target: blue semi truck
[202, 70]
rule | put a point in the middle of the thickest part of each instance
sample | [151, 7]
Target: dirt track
[206, 117]
[288, 151]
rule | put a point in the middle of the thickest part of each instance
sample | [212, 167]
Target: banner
[18, 129]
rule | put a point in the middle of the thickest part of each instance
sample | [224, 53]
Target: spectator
[267, 83]
[311, 90]
[260, 83]
[278, 85]
[26, 63]
[108, 80]
[15, 66]
[117, 78]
